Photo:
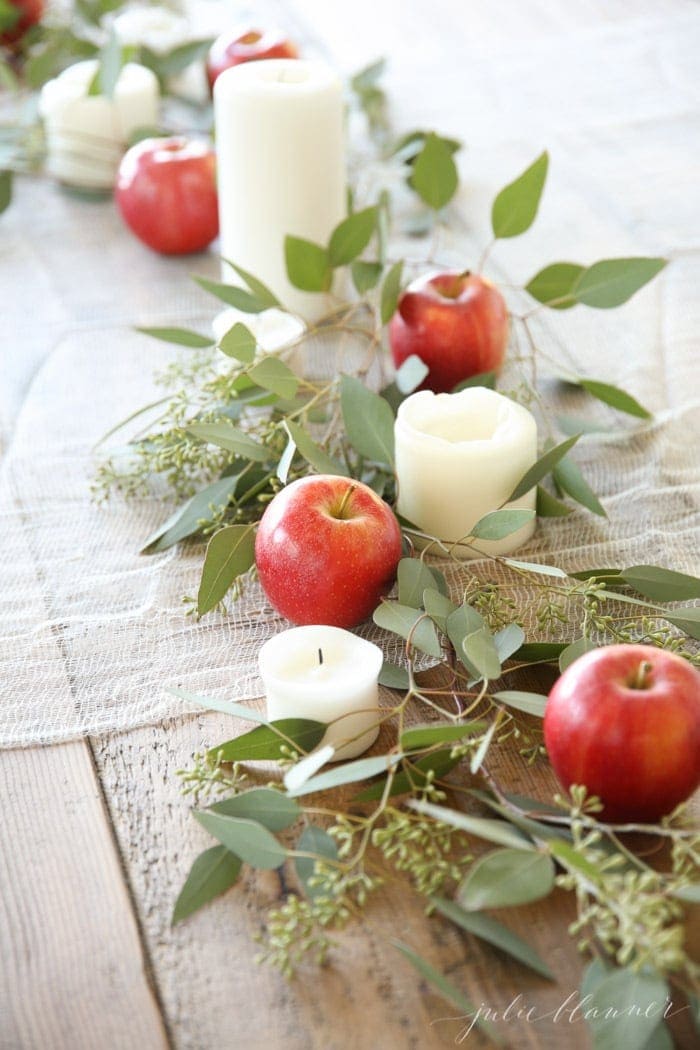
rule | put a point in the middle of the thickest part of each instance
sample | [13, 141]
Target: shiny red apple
[456, 323]
[326, 551]
[14, 24]
[625, 721]
[246, 45]
[166, 193]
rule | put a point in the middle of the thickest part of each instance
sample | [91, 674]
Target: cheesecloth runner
[92, 633]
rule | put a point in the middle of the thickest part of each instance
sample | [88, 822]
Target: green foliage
[434, 176]
[515, 208]
[308, 265]
[230, 553]
[272, 741]
[5, 190]
[212, 873]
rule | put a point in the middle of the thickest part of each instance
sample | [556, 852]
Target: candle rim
[260, 75]
[372, 661]
[503, 432]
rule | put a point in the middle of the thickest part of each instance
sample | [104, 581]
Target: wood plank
[72, 972]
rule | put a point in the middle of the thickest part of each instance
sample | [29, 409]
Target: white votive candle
[458, 457]
[324, 674]
[281, 168]
[86, 135]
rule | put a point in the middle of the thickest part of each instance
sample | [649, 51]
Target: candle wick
[320, 656]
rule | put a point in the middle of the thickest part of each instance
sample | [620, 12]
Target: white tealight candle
[324, 674]
[86, 135]
[281, 168]
[458, 457]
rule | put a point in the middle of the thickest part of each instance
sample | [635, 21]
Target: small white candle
[86, 135]
[325, 673]
[281, 168]
[458, 457]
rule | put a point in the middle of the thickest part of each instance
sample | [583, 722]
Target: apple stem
[344, 502]
[642, 675]
[320, 656]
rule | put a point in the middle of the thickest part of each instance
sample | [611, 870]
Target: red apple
[625, 721]
[166, 193]
[326, 551]
[14, 24]
[246, 45]
[456, 323]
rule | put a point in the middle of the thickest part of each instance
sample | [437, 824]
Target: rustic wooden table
[94, 837]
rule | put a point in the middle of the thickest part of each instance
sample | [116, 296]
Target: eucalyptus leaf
[308, 265]
[233, 295]
[273, 374]
[230, 553]
[548, 506]
[349, 773]
[438, 607]
[402, 620]
[515, 207]
[480, 650]
[260, 291]
[439, 763]
[615, 397]
[477, 758]
[458, 625]
[573, 651]
[271, 741]
[611, 282]
[394, 677]
[250, 841]
[486, 379]
[300, 772]
[230, 438]
[541, 468]
[314, 455]
[239, 342]
[501, 523]
[625, 1008]
[495, 933]
[267, 806]
[350, 238]
[316, 841]
[687, 620]
[498, 831]
[689, 893]
[540, 652]
[365, 275]
[285, 461]
[187, 520]
[567, 475]
[226, 707]
[414, 577]
[505, 878]
[530, 703]
[391, 288]
[554, 285]
[180, 337]
[571, 425]
[5, 190]
[178, 59]
[109, 67]
[508, 640]
[417, 737]
[662, 585]
[571, 858]
[368, 419]
[212, 873]
[434, 176]
[536, 567]
[411, 374]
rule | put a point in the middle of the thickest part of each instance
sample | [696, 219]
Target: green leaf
[542, 467]
[360, 769]
[573, 651]
[273, 374]
[300, 772]
[239, 342]
[187, 520]
[662, 585]
[536, 567]
[350, 237]
[414, 577]
[109, 67]
[260, 291]
[250, 841]
[531, 703]
[687, 620]
[689, 893]
[365, 275]
[212, 873]
[226, 707]
[434, 176]
[285, 462]
[501, 523]
[393, 676]
[270, 741]
[493, 932]
[487, 379]
[267, 806]
[230, 438]
[369, 75]
[625, 1008]
[498, 831]
[438, 607]
[418, 737]
[570, 857]
[437, 762]
[540, 652]
[179, 336]
[9, 15]
[515, 207]
[449, 992]
[390, 292]
[480, 650]
[368, 419]
[317, 457]
[233, 295]
[508, 640]
[505, 878]
[615, 397]
[554, 285]
[230, 553]
[411, 374]
[460, 623]
[548, 506]
[308, 265]
[402, 620]
[313, 840]
[611, 282]
[570, 480]
[5, 190]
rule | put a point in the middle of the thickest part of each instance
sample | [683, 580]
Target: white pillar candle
[458, 457]
[281, 168]
[86, 135]
[325, 673]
